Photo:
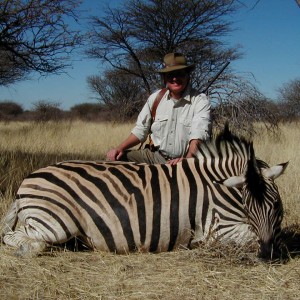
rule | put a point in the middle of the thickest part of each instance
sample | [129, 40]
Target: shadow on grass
[291, 240]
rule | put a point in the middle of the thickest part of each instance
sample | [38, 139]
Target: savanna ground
[217, 272]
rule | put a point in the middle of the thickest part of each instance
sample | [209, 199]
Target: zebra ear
[275, 171]
[233, 181]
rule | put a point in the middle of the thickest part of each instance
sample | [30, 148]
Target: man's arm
[193, 146]
[116, 153]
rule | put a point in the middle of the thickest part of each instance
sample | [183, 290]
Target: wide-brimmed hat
[175, 61]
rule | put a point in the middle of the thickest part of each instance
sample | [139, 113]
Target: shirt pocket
[185, 125]
[159, 123]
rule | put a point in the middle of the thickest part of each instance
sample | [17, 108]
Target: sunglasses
[176, 74]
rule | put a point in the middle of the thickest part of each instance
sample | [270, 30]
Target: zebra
[224, 193]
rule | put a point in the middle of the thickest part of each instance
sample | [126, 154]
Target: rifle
[210, 82]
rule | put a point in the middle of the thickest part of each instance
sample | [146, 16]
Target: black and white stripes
[123, 207]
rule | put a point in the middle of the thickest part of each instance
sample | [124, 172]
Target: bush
[46, 111]
[87, 111]
[289, 100]
[10, 110]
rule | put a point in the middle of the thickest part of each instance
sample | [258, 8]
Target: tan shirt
[177, 122]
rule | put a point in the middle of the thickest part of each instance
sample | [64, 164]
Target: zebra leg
[204, 235]
[27, 239]
[197, 237]
[10, 221]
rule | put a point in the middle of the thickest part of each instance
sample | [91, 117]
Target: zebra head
[262, 203]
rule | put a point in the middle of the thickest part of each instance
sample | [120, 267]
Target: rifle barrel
[210, 82]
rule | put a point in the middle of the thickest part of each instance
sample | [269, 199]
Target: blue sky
[269, 33]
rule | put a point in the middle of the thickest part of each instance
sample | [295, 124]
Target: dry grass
[76, 137]
[204, 273]
[196, 274]
[280, 149]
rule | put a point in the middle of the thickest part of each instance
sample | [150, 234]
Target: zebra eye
[251, 228]
[276, 203]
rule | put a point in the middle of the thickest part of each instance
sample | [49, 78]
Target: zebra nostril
[269, 250]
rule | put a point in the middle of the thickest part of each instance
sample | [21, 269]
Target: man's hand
[114, 154]
[175, 161]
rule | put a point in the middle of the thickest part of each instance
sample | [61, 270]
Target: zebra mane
[255, 181]
[228, 145]
[224, 144]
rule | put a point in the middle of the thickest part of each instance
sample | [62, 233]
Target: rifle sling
[156, 102]
[153, 113]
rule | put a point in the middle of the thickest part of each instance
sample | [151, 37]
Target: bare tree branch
[35, 36]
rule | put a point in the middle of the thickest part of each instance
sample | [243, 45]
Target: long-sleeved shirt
[176, 123]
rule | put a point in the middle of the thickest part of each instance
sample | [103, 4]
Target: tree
[289, 99]
[35, 35]
[134, 39]
[119, 91]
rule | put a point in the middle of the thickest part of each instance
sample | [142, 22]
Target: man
[182, 119]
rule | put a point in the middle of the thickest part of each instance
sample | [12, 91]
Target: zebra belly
[60, 219]
[115, 237]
